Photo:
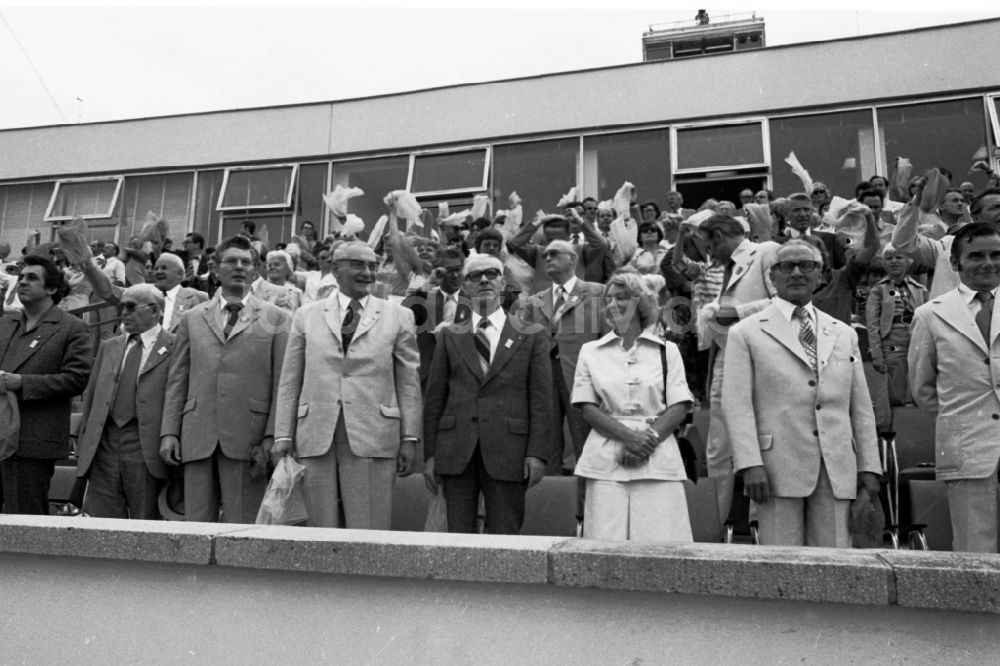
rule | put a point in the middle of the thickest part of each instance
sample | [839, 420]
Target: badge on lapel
[161, 351]
[509, 343]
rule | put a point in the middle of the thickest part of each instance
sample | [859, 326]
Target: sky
[79, 63]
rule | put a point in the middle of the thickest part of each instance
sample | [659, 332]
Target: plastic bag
[437, 513]
[284, 503]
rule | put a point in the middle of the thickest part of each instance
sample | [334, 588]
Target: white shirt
[450, 306]
[345, 303]
[114, 269]
[492, 332]
[787, 310]
[169, 298]
[148, 339]
[973, 303]
[225, 313]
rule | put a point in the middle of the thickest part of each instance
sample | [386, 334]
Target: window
[309, 195]
[641, 158]
[207, 219]
[166, 195]
[721, 146]
[377, 177]
[448, 172]
[258, 187]
[948, 134]
[541, 172]
[22, 210]
[91, 199]
[837, 149]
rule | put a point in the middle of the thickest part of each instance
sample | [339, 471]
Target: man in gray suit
[119, 444]
[218, 416]
[349, 402]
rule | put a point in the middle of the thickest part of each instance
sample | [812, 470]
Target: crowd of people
[494, 351]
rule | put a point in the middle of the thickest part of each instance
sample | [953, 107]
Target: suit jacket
[955, 378]
[782, 416]
[54, 367]
[750, 288]
[428, 313]
[506, 412]
[149, 394]
[881, 304]
[375, 386]
[187, 298]
[221, 391]
[582, 321]
[287, 297]
[596, 263]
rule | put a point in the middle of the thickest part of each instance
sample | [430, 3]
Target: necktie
[985, 314]
[450, 305]
[557, 309]
[350, 322]
[727, 275]
[807, 337]
[234, 314]
[483, 345]
[123, 407]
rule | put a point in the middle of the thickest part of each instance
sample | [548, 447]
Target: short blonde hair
[641, 291]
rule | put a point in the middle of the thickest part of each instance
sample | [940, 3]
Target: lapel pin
[162, 351]
[508, 344]
[34, 343]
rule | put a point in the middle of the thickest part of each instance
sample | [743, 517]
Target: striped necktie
[483, 345]
[807, 337]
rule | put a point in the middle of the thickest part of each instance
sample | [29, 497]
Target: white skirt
[636, 511]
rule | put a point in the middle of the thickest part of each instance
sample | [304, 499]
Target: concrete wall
[102, 590]
[922, 62]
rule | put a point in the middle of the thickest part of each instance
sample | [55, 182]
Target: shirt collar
[497, 319]
[569, 286]
[648, 334]
[968, 294]
[223, 301]
[345, 301]
[172, 292]
[149, 336]
[787, 309]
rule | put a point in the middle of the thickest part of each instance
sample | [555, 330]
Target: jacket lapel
[467, 347]
[826, 336]
[785, 333]
[48, 325]
[331, 315]
[510, 340]
[160, 352]
[116, 352]
[211, 315]
[372, 313]
[955, 313]
[246, 319]
[547, 304]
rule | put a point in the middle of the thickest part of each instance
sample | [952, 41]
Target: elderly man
[349, 403]
[800, 220]
[45, 360]
[596, 261]
[487, 419]
[797, 411]
[218, 414]
[119, 444]
[955, 374]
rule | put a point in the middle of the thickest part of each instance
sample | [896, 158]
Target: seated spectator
[650, 253]
[631, 461]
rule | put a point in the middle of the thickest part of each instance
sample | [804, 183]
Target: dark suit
[54, 363]
[428, 313]
[488, 423]
[128, 488]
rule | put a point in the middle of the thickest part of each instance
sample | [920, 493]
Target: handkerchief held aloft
[456, 219]
[376, 235]
[336, 200]
[443, 210]
[568, 198]
[607, 204]
[480, 206]
[353, 226]
[899, 186]
[623, 199]
[406, 206]
[848, 218]
[263, 236]
[154, 229]
[514, 200]
[934, 190]
[800, 171]
[696, 219]
[74, 239]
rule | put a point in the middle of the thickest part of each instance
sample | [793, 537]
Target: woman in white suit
[633, 467]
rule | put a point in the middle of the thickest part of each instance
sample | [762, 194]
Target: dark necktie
[350, 324]
[483, 345]
[985, 314]
[557, 309]
[123, 407]
[234, 314]
[807, 337]
[727, 275]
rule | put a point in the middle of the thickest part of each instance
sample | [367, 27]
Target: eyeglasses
[130, 306]
[803, 266]
[490, 273]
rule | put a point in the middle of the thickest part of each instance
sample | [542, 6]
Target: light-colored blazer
[782, 416]
[287, 297]
[582, 321]
[221, 391]
[955, 378]
[750, 288]
[187, 298]
[375, 385]
[150, 391]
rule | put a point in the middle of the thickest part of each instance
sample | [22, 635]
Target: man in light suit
[797, 410]
[218, 416]
[571, 312]
[746, 288]
[954, 363]
[119, 444]
[487, 409]
[349, 403]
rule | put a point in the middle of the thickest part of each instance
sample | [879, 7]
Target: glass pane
[377, 177]
[167, 195]
[206, 217]
[94, 198]
[275, 228]
[540, 172]
[641, 158]
[836, 149]
[257, 187]
[22, 208]
[312, 187]
[721, 146]
[448, 171]
[939, 134]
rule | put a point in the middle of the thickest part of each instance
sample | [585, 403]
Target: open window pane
[377, 177]
[948, 134]
[270, 187]
[837, 149]
[273, 229]
[89, 199]
[641, 158]
[541, 172]
[720, 146]
[443, 172]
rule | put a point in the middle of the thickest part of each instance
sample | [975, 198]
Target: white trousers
[636, 511]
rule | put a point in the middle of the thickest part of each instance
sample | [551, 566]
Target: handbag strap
[663, 365]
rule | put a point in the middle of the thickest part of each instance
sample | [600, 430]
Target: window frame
[119, 181]
[765, 137]
[292, 180]
[487, 163]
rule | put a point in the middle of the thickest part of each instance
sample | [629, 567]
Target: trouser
[972, 504]
[646, 510]
[26, 484]
[218, 482]
[120, 485]
[817, 520]
[342, 489]
[503, 500]
[718, 450]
